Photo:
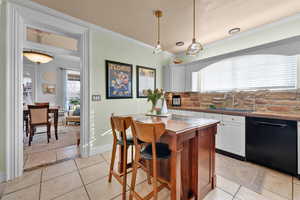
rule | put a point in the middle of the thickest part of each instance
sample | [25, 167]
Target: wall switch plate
[96, 97]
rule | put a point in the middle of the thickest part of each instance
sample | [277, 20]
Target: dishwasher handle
[271, 124]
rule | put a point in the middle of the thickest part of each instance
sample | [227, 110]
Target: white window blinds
[250, 73]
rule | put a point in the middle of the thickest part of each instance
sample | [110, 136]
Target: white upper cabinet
[179, 78]
[175, 78]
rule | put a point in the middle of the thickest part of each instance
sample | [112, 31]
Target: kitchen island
[191, 168]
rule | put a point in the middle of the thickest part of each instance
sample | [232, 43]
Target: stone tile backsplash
[262, 101]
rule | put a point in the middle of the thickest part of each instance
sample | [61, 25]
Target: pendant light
[158, 14]
[195, 47]
[37, 57]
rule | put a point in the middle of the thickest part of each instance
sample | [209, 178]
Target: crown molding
[249, 32]
[55, 13]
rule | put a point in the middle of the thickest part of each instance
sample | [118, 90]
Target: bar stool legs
[134, 173]
[125, 173]
[122, 178]
[112, 162]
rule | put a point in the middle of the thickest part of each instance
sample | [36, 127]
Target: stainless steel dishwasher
[272, 143]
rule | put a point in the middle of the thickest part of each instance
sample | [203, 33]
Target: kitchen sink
[232, 110]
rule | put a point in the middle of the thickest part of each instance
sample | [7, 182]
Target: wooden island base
[193, 159]
[191, 168]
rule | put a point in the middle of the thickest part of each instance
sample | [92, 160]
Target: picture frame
[118, 80]
[146, 79]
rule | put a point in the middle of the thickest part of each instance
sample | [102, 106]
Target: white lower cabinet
[231, 138]
[231, 135]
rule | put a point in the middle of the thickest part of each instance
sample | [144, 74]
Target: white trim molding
[85, 95]
[49, 11]
[14, 74]
[18, 18]
[2, 177]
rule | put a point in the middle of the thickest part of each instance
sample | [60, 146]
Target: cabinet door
[231, 138]
[167, 78]
[177, 79]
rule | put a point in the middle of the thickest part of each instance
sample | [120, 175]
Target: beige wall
[104, 45]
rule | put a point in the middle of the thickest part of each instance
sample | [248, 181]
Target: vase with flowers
[154, 97]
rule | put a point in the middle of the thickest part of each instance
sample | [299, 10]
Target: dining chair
[119, 127]
[38, 116]
[150, 134]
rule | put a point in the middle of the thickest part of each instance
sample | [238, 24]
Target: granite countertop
[284, 116]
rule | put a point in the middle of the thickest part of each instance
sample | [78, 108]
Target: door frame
[19, 14]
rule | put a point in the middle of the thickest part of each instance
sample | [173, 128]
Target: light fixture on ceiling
[180, 43]
[234, 31]
[158, 14]
[37, 57]
[195, 47]
[177, 61]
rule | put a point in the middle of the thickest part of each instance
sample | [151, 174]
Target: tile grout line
[278, 194]
[49, 164]
[41, 181]
[293, 189]
[66, 193]
[234, 196]
[224, 191]
[84, 186]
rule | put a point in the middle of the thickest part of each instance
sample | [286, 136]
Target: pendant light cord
[194, 11]
[158, 30]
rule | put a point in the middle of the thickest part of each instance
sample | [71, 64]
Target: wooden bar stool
[120, 125]
[149, 133]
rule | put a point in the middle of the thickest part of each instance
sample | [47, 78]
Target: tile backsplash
[263, 101]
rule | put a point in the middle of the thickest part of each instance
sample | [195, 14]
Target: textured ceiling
[134, 18]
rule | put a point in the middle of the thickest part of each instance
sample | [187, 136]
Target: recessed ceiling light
[234, 31]
[180, 43]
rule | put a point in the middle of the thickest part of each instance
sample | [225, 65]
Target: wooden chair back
[42, 103]
[148, 132]
[38, 115]
[120, 125]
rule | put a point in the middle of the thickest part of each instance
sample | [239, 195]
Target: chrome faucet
[233, 101]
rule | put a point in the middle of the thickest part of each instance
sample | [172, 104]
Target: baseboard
[2, 177]
[100, 149]
[225, 153]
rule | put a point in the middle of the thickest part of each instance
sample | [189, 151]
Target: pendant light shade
[37, 57]
[195, 47]
[158, 48]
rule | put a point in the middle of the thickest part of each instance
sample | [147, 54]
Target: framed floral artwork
[118, 80]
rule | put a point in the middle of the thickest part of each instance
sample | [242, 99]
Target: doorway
[56, 84]
[21, 16]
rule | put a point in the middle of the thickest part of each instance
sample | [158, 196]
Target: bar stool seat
[129, 141]
[162, 151]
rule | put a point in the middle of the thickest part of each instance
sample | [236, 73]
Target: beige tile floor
[42, 153]
[86, 179]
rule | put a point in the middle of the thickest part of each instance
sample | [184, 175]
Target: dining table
[191, 168]
[52, 109]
